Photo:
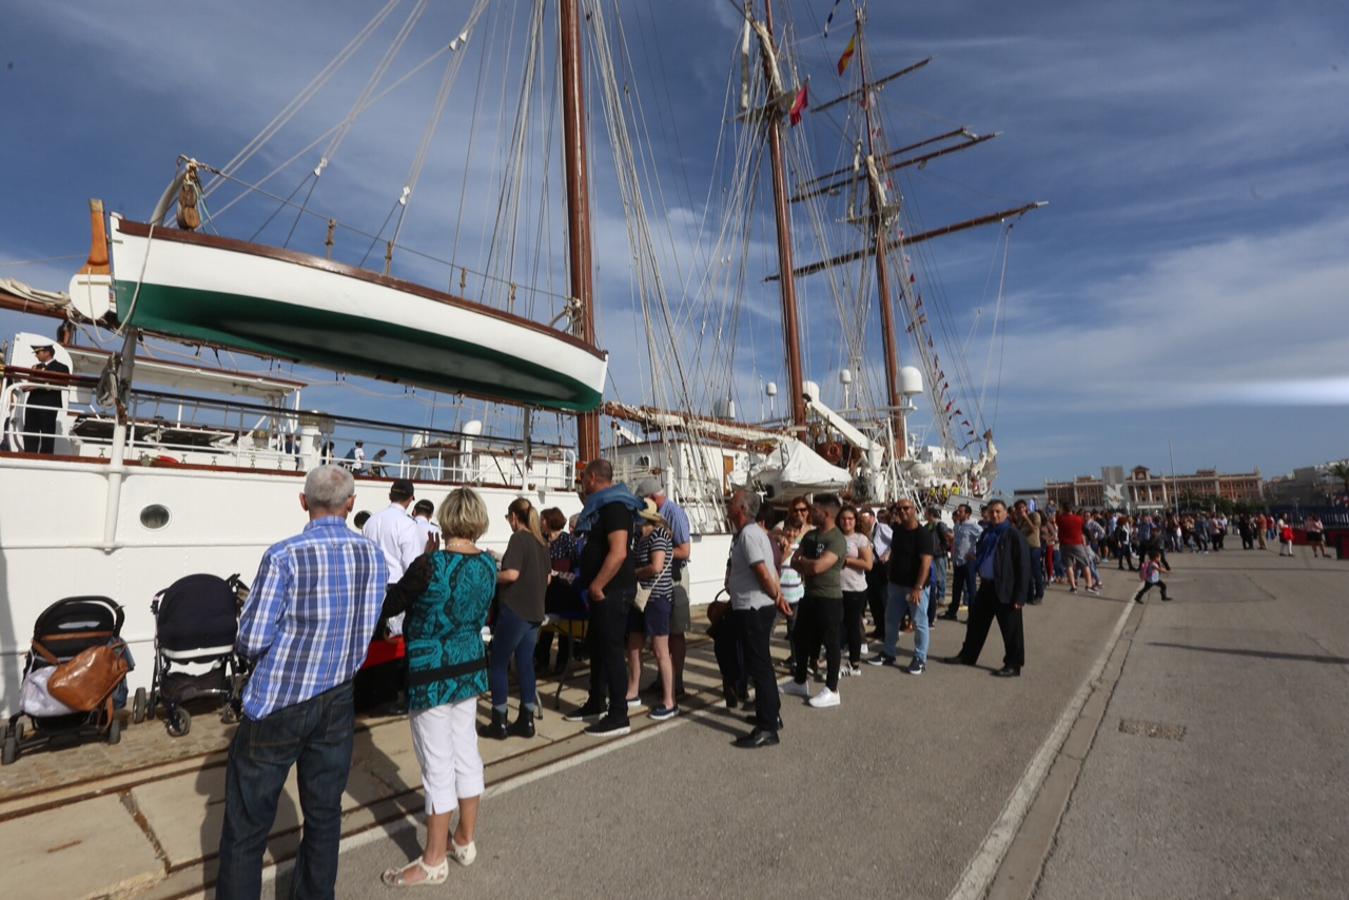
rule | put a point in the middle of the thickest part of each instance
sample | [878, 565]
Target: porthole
[155, 516]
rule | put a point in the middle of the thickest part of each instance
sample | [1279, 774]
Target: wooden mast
[578, 205]
[782, 213]
[894, 398]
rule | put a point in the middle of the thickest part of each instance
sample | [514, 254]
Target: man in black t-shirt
[608, 578]
[912, 549]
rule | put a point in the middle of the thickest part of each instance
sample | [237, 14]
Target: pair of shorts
[1075, 553]
[1315, 537]
[681, 621]
[653, 620]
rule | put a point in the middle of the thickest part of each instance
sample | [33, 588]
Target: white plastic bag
[34, 699]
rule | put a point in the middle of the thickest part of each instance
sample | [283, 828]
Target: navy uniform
[42, 405]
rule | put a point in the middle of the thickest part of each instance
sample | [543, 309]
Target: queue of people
[321, 597]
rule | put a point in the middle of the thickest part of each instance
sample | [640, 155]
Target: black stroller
[64, 630]
[196, 622]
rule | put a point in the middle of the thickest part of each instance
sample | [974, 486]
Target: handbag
[643, 594]
[87, 680]
[35, 698]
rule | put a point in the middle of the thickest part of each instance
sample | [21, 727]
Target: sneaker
[863, 649]
[825, 698]
[635, 703]
[917, 667]
[609, 727]
[661, 713]
[1072, 590]
[880, 659]
[851, 670]
[1094, 590]
[586, 713]
[792, 689]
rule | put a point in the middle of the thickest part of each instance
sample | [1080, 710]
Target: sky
[1184, 292]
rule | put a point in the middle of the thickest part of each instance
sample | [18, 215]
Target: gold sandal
[433, 875]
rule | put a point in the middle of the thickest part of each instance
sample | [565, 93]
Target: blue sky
[1187, 283]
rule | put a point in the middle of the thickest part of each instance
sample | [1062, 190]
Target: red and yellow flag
[800, 103]
[847, 55]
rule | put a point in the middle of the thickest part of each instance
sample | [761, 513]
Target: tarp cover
[796, 467]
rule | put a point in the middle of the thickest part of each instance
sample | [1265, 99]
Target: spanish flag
[847, 55]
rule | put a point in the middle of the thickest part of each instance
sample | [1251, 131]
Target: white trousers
[446, 741]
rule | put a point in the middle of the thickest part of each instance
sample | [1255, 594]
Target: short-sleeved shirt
[662, 586]
[751, 546]
[855, 579]
[524, 595]
[828, 584]
[793, 586]
[907, 549]
[611, 517]
[880, 539]
[680, 530]
[1071, 526]
[1030, 529]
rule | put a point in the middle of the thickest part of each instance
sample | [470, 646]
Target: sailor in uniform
[42, 404]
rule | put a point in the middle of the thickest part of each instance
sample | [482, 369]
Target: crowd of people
[836, 576]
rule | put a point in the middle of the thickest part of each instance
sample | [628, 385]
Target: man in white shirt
[879, 534]
[398, 535]
[751, 580]
[421, 514]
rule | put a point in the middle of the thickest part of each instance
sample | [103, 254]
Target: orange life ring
[833, 452]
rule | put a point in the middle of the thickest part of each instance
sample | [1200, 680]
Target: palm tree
[1341, 471]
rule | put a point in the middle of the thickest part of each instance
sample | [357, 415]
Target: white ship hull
[52, 540]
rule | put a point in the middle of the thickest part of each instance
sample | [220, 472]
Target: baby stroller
[196, 623]
[63, 661]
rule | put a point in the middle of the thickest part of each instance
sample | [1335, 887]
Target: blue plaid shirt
[313, 610]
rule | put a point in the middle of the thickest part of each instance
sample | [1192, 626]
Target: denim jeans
[512, 637]
[1037, 571]
[936, 591]
[962, 585]
[315, 736]
[896, 604]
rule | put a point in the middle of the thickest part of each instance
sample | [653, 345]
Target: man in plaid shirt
[308, 623]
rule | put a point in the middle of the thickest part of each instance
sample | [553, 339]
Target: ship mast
[894, 398]
[578, 206]
[782, 214]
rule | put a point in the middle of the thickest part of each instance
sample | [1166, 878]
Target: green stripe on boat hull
[356, 344]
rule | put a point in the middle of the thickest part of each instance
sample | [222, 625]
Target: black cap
[401, 488]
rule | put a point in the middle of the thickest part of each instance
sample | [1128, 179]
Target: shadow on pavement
[1262, 654]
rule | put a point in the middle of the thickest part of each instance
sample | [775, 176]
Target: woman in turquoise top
[446, 595]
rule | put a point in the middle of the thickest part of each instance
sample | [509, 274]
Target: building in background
[1141, 490]
[1310, 485]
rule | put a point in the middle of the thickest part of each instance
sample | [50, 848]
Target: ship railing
[168, 429]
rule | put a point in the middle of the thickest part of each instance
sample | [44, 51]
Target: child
[1285, 538]
[1151, 574]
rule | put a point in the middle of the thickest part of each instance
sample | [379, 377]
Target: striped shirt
[310, 617]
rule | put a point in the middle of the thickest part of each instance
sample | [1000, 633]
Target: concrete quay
[1070, 781]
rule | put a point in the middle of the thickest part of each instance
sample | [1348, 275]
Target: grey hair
[328, 487]
[747, 501]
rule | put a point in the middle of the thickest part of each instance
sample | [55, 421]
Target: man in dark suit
[42, 405]
[1002, 560]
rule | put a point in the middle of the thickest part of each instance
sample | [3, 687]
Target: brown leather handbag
[86, 681]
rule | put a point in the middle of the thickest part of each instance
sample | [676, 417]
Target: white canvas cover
[795, 468]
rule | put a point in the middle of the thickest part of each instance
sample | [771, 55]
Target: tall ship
[195, 338]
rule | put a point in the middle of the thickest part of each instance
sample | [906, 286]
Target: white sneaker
[825, 698]
[793, 689]
[864, 648]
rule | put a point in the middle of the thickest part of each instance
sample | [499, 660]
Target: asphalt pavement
[1221, 765]
[890, 794]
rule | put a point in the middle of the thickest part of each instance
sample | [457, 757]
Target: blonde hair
[523, 510]
[463, 515]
